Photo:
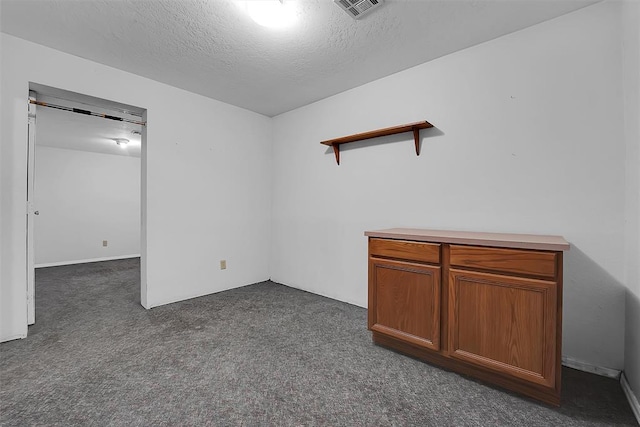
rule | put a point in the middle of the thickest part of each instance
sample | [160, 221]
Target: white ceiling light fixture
[122, 142]
[277, 14]
[358, 8]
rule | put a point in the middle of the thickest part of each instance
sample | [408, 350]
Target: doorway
[86, 182]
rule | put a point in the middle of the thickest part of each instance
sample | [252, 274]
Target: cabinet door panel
[405, 302]
[504, 323]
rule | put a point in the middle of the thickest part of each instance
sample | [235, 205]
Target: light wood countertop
[501, 240]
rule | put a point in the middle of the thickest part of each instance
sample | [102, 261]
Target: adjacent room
[84, 192]
[87, 170]
[239, 288]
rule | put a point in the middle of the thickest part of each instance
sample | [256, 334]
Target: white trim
[31, 212]
[586, 367]
[13, 337]
[84, 261]
[633, 400]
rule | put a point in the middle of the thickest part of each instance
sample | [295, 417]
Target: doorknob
[36, 213]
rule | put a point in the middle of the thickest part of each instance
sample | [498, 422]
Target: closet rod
[86, 112]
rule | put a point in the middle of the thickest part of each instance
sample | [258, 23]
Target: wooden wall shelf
[411, 127]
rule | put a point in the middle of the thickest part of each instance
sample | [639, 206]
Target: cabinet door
[503, 323]
[404, 301]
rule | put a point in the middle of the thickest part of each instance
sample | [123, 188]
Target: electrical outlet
[104, 243]
[223, 264]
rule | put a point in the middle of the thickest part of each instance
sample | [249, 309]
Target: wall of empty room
[631, 94]
[84, 198]
[206, 170]
[529, 140]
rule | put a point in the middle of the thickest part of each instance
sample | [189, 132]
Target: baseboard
[350, 302]
[633, 400]
[84, 261]
[13, 337]
[586, 367]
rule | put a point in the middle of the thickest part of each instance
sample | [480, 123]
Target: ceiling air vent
[358, 8]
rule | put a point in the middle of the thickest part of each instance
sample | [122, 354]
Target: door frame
[31, 212]
[34, 89]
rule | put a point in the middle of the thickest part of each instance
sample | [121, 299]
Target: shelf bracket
[416, 139]
[336, 151]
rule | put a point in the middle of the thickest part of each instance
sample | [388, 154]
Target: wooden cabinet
[485, 305]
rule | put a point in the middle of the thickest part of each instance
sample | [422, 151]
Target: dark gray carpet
[259, 355]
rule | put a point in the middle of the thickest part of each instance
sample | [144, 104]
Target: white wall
[529, 139]
[84, 198]
[631, 82]
[206, 171]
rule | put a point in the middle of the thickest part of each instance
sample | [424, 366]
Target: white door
[31, 212]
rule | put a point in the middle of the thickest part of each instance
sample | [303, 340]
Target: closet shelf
[411, 127]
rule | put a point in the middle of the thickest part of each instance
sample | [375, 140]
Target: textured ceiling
[213, 48]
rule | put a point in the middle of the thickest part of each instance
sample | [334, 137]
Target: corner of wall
[630, 22]
[272, 192]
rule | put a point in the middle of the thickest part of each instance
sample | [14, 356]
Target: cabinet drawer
[405, 249]
[505, 260]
